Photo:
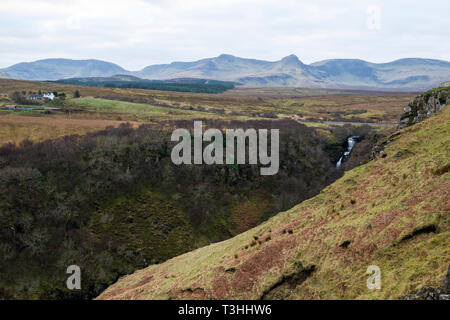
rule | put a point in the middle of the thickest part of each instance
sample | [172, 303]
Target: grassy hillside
[392, 212]
[134, 111]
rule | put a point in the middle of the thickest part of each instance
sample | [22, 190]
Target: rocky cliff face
[424, 106]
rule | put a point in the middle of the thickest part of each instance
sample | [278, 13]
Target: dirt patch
[191, 293]
[442, 170]
[283, 288]
[423, 230]
[345, 244]
[270, 256]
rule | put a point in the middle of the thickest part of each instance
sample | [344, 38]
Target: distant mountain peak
[292, 59]
[403, 74]
[291, 56]
[225, 57]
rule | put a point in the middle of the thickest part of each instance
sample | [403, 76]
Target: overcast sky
[137, 33]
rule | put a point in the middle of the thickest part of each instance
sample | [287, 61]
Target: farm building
[48, 95]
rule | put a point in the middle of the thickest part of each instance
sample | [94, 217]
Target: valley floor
[314, 107]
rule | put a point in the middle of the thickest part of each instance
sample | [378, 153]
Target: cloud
[136, 33]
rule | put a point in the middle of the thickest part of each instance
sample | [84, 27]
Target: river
[372, 124]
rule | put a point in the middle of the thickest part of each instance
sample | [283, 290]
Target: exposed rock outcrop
[424, 106]
[428, 293]
[420, 108]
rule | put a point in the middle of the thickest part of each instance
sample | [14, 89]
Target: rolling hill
[403, 74]
[392, 212]
[55, 69]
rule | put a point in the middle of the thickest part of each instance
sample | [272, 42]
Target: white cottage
[48, 95]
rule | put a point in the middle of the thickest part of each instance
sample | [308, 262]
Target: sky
[138, 33]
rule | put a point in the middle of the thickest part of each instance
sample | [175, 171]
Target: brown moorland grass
[15, 129]
[150, 106]
[243, 101]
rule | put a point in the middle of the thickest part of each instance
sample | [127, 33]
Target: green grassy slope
[139, 110]
[392, 212]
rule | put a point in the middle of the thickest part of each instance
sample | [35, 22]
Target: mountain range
[403, 74]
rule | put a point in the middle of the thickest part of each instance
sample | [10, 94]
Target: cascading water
[351, 141]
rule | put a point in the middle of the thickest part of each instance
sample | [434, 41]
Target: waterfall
[351, 141]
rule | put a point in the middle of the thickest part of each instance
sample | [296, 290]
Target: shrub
[20, 98]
